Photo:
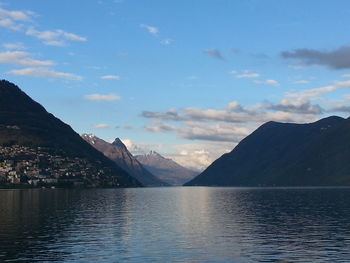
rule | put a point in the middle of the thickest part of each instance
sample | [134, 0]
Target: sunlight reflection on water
[192, 224]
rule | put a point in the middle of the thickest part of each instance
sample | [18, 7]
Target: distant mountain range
[166, 169]
[150, 169]
[286, 154]
[118, 153]
[24, 122]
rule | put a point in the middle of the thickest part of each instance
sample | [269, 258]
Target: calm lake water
[194, 224]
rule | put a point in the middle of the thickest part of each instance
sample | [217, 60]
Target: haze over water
[175, 225]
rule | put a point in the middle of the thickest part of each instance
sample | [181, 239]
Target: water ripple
[175, 225]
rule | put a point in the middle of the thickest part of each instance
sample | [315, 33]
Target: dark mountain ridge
[25, 122]
[286, 154]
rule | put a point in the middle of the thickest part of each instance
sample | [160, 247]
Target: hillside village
[22, 166]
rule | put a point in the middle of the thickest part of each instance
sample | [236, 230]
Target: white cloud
[16, 15]
[195, 130]
[161, 127]
[12, 46]
[141, 148]
[341, 105]
[111, 77]
[56, 37]
[341, 108]
[346, 76]
[22, 21]
[343, 84]
[102, 97]
[301, 102]
[13, 19]
[8, 23]
[22, 58]
[233, 113]
[296, 105]
[271, 82]
[216, 132]
[151, 29]
[128, 143]
[44, 72]
[213, 115]
[240, 120]
[312, 94]
[101, 126]
[198, 156]
[248, 76]
[235, 106]
[245, 74]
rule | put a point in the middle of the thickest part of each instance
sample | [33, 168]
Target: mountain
[286, 154]
[27, 128]
[118, 153]
[166, 169]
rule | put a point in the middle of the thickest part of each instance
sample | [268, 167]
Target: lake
[175, 224]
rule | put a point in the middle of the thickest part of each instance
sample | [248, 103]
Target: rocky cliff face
[118, 153]
[166, 169]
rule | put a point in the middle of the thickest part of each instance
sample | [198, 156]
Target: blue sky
[188, 79]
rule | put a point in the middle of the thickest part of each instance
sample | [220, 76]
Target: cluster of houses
[37, 167]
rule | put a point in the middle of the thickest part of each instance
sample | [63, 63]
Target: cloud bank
[334, 59]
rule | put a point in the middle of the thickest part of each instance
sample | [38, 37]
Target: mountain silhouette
[25, 122]
[286, 154]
